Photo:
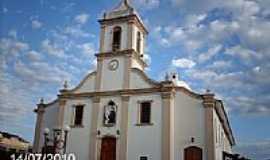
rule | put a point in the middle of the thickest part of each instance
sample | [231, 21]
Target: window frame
[118, 47]
[139, 122]
[74, 107]
[138, 42]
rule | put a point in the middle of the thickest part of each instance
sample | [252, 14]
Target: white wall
[50, 121]
[112, 80]
[145, 140]
[221, 140]
[88, 85]
[79, 138]
[189, 122]
[136, 81]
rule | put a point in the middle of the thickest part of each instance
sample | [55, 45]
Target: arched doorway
[193, 153]
[108, 148]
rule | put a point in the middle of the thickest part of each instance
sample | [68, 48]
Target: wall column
[93, 130]
[61, 114]
[127, 67]
[102, 39]
[39, 125]
[130, 34]
[124, 128]
[168, 126]
[209, 104]
[99, 73]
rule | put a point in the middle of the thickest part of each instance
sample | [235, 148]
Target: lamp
[57, 140]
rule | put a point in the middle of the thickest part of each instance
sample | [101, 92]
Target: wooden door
[193, 153]
[108, 149]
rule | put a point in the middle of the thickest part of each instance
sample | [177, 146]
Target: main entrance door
[193, 153]
[108, 149]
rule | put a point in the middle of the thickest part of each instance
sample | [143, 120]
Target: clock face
[113, 65]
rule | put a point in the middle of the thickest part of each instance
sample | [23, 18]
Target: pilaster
[130, 34]
[124, 128]
[209, 104]
[127, 67]
[61, 113]
[99, 73]
[93, 129]
[38, 129]
[102, 38]
[167, 126]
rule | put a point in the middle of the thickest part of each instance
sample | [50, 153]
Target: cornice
[81, 83]
[223, 117]
[133, 18]
[146, 78]
[127, 52]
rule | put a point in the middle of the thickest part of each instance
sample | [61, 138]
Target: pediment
[86, 85]
[140, 80]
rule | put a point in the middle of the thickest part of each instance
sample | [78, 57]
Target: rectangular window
[78, 115]
[143, 158]
[145, 113]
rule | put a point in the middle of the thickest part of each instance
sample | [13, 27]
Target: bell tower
[122, 29]
[122, 45]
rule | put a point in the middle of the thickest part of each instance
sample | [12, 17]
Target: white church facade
[118, 113]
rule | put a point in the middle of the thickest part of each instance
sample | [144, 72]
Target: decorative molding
[127, 52]
[96, 99]
[222, 115]
[209, 101]
[167, 95]
[146, 78]
[82, 82]
[125, 98]
[130, 18]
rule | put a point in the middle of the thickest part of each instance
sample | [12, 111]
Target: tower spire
[126, 2]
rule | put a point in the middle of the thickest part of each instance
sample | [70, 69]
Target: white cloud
[147, 4]
[5, 10]
[243, 53]
[82, 18]
[76, 32]
[52, 49]
[218, 65]
[12, 34]
[147, 59]
[194, 19]
[36, 24]
[40, 72]
[87, 49]
[210, 53]
[34, 55]
[12, 47]
[183, 63]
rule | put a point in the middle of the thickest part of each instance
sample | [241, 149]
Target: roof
[9, 135]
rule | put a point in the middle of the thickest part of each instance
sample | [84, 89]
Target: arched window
[116, 38]
[110, 111]
[139, 39]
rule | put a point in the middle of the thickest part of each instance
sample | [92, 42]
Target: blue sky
[212, 44]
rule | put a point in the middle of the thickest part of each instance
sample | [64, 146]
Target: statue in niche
[110, 111]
